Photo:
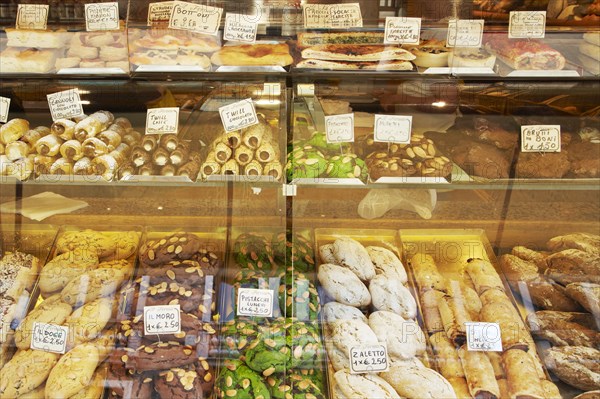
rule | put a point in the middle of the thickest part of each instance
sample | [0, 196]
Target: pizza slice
[356, 53]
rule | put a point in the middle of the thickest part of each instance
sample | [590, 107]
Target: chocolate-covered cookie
[187, 271]
[184, 383]
[193, 300]
[160, 356]
[178, 246]
[128, 384]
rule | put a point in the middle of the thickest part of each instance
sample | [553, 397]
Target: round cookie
[88, 241]
[125, 243]
[307, 350]
[99, 283]
[270, 352]
[178, 246]
[352, 255]
[386, 262]
[237, 335]
[240, 381]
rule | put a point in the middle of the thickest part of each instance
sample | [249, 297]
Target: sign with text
[339, 128]
[540, 138]
[392, 129]
[240, 28]
[32, 16]
[369, 359]
[485, 337]
[255, 302]
[4, 108]
[101, 16]
[49, 338]
[400, 30]
[159, 12]
[465, 33]
[195, 17]
[65, 104]
[527, 25]
[162, 120]
[165, 319]
[238, 115]
[332, 16]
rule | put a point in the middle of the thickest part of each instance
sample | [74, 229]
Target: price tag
[484, 337]
[164, 319]
[32, 16]
[162, 120]
[369, 359]
[306, 89]
[339, 128]
[159, 12]
[465, 33]
[540, 138]
[240, 27]
[399, 30]
[101, 16]
[238, 115]
[4, 107]
[195, 17]
[332, 16]
[393, 129]
[65, 104]
[527, 25]
[49, 338]
[253, 302]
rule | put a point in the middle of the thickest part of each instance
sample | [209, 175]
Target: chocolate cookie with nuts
[187, 271]
[160, 356]
[133, 331]
[178, 246]
[128, 384]
[198, 300]
[185, 383]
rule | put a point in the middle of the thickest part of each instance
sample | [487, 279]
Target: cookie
[133, 331]
[270, 352]
[105, 343]
[347, 166]
[236, 380]
[184, 383]
[128, 384]
[236, 336]
[92, 285]
[347, 334]
[27, 370]
[390, 294]
[65, 267]
[125, 243]
[293, 385]
[178, 246]
[326, 254]
[50, 311]
[160, 356]
[73, 372]
[187, 271]
[118, 264]
[352, 255]
[307, 350]
[253, 251]
[333, 311]
[87, 241]
[387, 263]
[95, 389]
[343, 285]
[299, 297]
[363, 386]
[404, 338]
[295, 251]
[88, 321]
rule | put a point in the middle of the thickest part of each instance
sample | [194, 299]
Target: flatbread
[253, 55]
[308, 39]
[355, 66]
[354, 52]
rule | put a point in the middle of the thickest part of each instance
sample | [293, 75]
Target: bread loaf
[575, 365]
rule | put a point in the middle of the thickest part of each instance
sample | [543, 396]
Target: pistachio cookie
[293, 386]
[347, 166]
[236, 380]
[305, 163]
[237, 335]
[295, 251]
[299, 297]
[253, 251]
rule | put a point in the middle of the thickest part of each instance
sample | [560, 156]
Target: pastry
[551, 391]
[363, 386]
[521, 375]
[73, 372]
[13, 130]
[461, 389]
[446, 356]
[88, 321]
[252, 55]
[430, 54]
[352, 255]
[387, 263]
[525, 54]
[95, 388]
[254, 251]
[27, 370]
[333, 311]
[496, 361]
[307, 39]
[48, 145]
[426, 273]
[92, 125]
[356, 53]
[431, 313]
[418, 382]
[515, 334]
[454, 315]
[536, 257]
[92, 63]
[50, 311]
[384, 65]
[176, 247]
[587, 294]
[55, 39]
[483, 275]
[404, 338]
[98, 283]
[587, 395]
[270, 353]
[471, 58]
[236, 376]
[561, 332]
[343, 285]
[583, 241]
[547, 165]
[27, 60]
[388, 293]
[16, 150]
[573, 265]
[479, 373]
[33, 135]
[18, 273]
[86, 241]
[65, 267]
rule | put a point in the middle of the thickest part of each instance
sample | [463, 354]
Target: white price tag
[369, 359]
[332, 16]
[159, 12]
[540, 138]
[65, 104]
[339, 128]
[527, 25]
[254, 302]
[162, 120]
[400, 30]
[4, 108]
[392, 129]
[101, 16]
[32, 16]
[240, 27]
[195, 17]
[484, 337]
[465, 33]
[49, 338]
[306, 89]
[164, 319]
[238, 115]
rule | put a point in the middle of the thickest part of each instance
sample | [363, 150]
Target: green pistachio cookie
[253, 251]
[299, 297]
[295, 251]
[307, 350]
[237, 335]
[271, 351]
[347, 166]
[293, 386]
[305, 163]
[236, 380]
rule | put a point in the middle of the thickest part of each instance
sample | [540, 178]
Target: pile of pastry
[477, 294]
[253, 151]
[564, 286]
[18, 151]
[96, 50]
[357, 279]
[79, 288]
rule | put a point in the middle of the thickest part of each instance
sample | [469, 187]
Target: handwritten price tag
[540, 138]
[333, 16]
[49, 338]
[339, 128]
[484, 337]
[162, 120]
[527, 24]
[101, 16]
[195, 17]
[65, 104]
[369, 359]
[393, 129]
[465, 33]
[399, 30]
[32, 16]
[4, 107]
[254, 302]
[240, 28]
[159, 12]
[162, 319]
[238, 115]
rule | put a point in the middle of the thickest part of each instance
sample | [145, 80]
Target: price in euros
[163, 325]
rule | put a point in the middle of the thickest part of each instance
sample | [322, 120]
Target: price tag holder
[332, 16]
[164, 319]
[4, 108]
[484, 337]
[465, 33]
[49, 338]
[369, 359]
[254, 302]
[393, 129]
[540, 138]
[159, 12]
[400, 30]
[238, 115]
[65, 104]
[527, 25]
[101, 16]
[32, 16]
[240, 28]
[195, 17]
[162, 120]
[339, 128]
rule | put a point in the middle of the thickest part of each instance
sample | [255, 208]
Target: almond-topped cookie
[160, 356]
[186, 382]
[179, 246]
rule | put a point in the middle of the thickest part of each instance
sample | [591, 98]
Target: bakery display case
[299, 199]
